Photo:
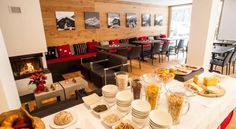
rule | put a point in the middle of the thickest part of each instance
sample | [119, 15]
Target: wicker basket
[37, 123]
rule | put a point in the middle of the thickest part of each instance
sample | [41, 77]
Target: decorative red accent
[163, 36]
[129, 49]
[64, 50]
[143, 38]
[92, 46]
[69, 58]
[115, 41]
[113, 50]
[226, 121]
[147, 45]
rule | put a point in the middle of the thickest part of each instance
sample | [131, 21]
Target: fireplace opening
[24, 66]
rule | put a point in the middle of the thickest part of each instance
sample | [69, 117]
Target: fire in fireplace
[25, 66]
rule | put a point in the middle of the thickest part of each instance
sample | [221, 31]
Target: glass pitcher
[177, 101]
[122, 79]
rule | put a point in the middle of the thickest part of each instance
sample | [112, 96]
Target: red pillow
[143, 38]
[92, 46]
[163, 36]
[115, 41]
[64, 50]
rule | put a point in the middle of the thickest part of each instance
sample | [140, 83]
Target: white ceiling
[161, 2]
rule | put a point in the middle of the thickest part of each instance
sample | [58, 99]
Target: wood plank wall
[80, 34]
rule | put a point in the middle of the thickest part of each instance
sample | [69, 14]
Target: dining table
[144, 42]
[110, 47]
[203, 113]
[220, 50]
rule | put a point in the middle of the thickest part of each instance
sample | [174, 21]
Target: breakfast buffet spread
[152, 101]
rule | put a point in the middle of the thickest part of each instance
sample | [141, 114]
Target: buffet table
[204, 113]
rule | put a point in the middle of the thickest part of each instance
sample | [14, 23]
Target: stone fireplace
[23, 67]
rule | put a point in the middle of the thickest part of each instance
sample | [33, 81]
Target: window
[180, 21]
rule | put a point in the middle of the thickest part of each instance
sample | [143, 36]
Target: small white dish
[96, 104]
[125, 121]
[91, 99]
[161, 118]
[54, 126]
[105, 114]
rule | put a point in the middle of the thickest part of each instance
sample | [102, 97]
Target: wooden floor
[147, 67]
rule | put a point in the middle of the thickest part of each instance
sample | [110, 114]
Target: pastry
[63, 118]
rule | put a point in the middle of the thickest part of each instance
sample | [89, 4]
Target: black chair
[180, 47]
[123, 52]
[222, 63]
[105, 74]
[232, 61]
[134, 54]
[156, 50]
[86, 66]
[165, 49]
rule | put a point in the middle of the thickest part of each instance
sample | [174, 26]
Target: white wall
[205, 14]
[23, 32]
[227, 27]
[9, 98]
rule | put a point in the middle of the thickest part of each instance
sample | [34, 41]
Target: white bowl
[110, 89]
[141, 106]
[161, 118]
[109, 100]
[123, 109]
[124, 96]
[138, 120]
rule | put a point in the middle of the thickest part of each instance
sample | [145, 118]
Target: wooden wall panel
[80, 34]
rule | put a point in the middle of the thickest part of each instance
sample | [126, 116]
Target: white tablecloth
[204, 113]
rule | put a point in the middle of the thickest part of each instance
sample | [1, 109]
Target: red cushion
[69, 58]
[115, 41]
[143, 38]
[163, 36]
[147, 45]
[92, 46]
[113, 50]
[64, 50]
[130, 48]
[226, 121]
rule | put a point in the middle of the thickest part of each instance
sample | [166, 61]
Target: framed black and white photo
[158, 20]
[65, 20]
[92, 20]
[146, 19]
[131, 20]
[113, 20]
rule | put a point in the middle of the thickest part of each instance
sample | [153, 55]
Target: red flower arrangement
[39, 79]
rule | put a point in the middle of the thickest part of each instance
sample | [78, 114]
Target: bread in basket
[17, 119]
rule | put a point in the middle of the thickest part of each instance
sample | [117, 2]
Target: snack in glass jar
[136, 88]
[122, 80]
[152, 94]
[175, 105]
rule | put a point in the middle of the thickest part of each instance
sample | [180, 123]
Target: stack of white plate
[109, 93]
[123, 100]
[140, 110]
[160, 119]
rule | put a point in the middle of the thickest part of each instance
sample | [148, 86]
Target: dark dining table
[142, 43]
[109, 47]
[226, 44]
[219, 50]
